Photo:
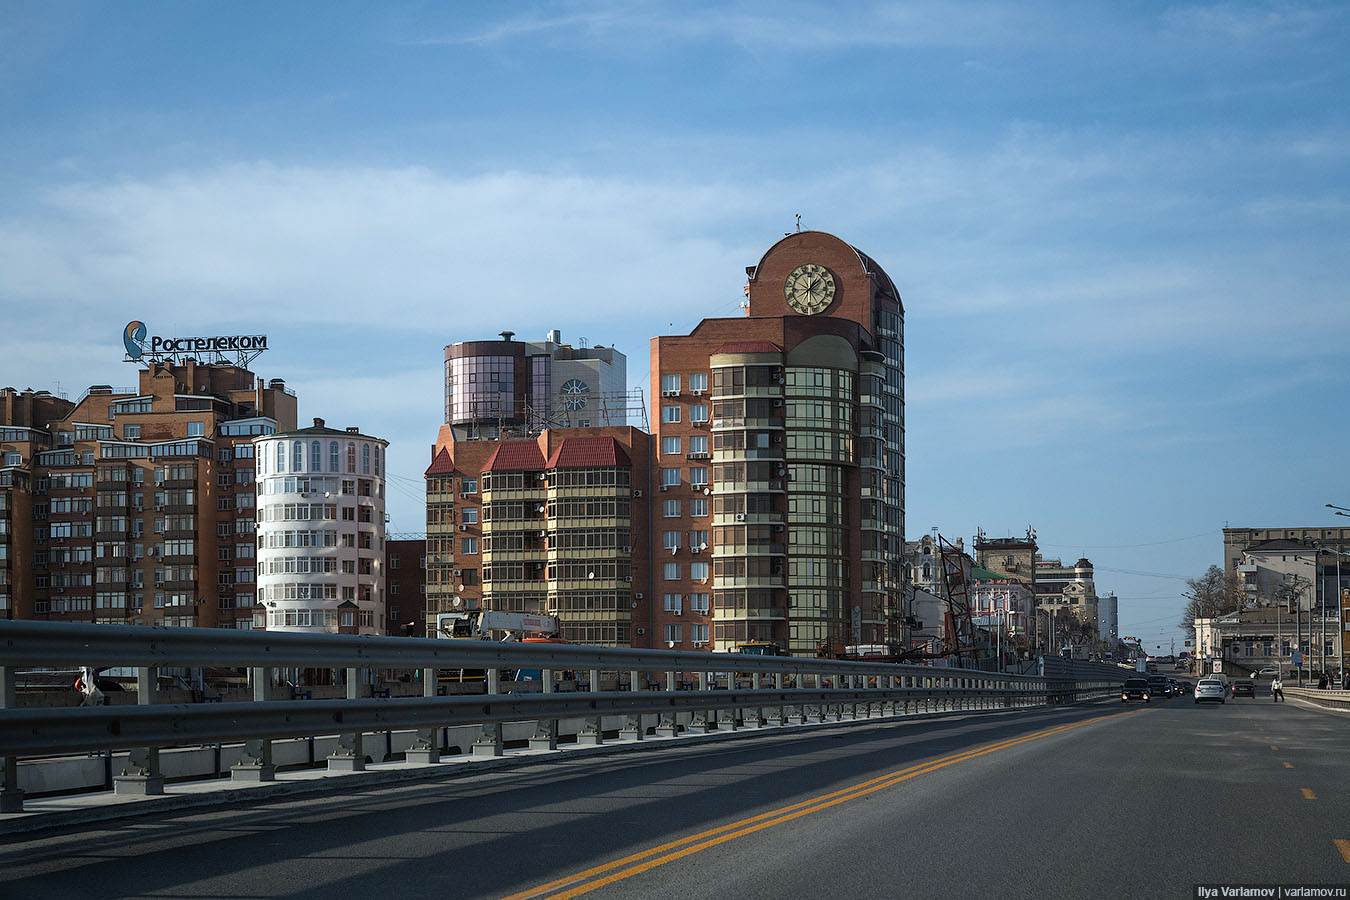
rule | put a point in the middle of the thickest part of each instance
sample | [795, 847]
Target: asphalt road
[1102, 800]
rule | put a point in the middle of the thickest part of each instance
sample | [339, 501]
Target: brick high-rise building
[780, 513]
[136, 506]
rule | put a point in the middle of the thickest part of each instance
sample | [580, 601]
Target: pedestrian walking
[1322, 682]
[1276, 690]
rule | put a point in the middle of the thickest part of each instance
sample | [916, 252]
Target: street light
[1344, 510]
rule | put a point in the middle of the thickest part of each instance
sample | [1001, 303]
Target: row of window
[310, 456]
[698, 412]
[698, 381]
[698, 634]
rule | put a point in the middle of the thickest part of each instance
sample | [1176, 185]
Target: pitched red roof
[588, 453]
[515, 456]
[442, 464]
[748, 347]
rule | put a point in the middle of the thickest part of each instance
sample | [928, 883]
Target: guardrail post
[592, 732]
[726, 718]
[796, 712]
[350, 754]
[632, 729]
[754, 715]
[489, 741]
[11, 797]
[665, 722]
[698, 723]
[774, 715]
[141, 774]
[255, 762]
[424, 748]
[545, 730]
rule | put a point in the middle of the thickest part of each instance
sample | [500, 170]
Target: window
[298, 456]
[698, 634]
[698, 603]
[698, 539]
[698, 412]
[468, 545]
[670, 445]
[315, 456]
[332, 456]
[698, 506]
[469, 515]
[698, 571]
[196, 429]
[674, 603]
[670, 384]
[281, 456]
[365, 459]
[131, 432]
[670, 477]
[672, 634]
[672, 571]
[670, 414]
[698, 381]
[698, 443]
[698, 476]
[670, 509]
[670, 540]
[468, 485]
[351, 456]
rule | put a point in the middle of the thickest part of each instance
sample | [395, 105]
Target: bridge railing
[729, 691]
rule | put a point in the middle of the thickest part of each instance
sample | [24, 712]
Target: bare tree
[1214, 593]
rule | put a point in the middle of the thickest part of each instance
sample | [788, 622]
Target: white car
[1210, 689]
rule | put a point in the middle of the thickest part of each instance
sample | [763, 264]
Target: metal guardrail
[782, 691]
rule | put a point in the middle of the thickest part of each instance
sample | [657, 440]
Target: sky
[1119, 229]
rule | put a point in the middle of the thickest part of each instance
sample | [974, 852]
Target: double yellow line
[628, 866]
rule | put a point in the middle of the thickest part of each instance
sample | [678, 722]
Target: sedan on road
[1244, 688]
[1134, 689]
[1210, 689]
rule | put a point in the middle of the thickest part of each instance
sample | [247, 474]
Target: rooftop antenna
[799, 221]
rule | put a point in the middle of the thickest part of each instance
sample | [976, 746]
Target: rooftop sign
[245, 347]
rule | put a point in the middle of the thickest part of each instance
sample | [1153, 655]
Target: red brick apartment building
[766, 506]
[136, 506]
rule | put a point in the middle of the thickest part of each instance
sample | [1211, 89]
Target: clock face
[809, 289]
[574, 392]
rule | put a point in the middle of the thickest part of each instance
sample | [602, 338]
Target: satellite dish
[590, 575]
[458, 601]
[707, 490]
[703, 545]
[670, 644]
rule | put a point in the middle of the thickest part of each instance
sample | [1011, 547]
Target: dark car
[1244, 688]
[1157, 685]
[1135, 689]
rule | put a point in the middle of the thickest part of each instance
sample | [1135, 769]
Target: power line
[1190, 537]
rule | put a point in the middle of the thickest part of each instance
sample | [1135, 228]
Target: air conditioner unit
[637, 493]
[626, 549]
[778, 527]
[695, 550]
[700, 643]
[696, 392]
[670, 393]
[740, 517]
[665, 487]
[543, 475]
[676, 612]
[638, 595]
[456, 572]
[543, 534]
[464, 528]
[628, 578]
[641, 630]
[777, 403]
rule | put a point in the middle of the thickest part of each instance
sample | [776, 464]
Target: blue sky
[1120, 229]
